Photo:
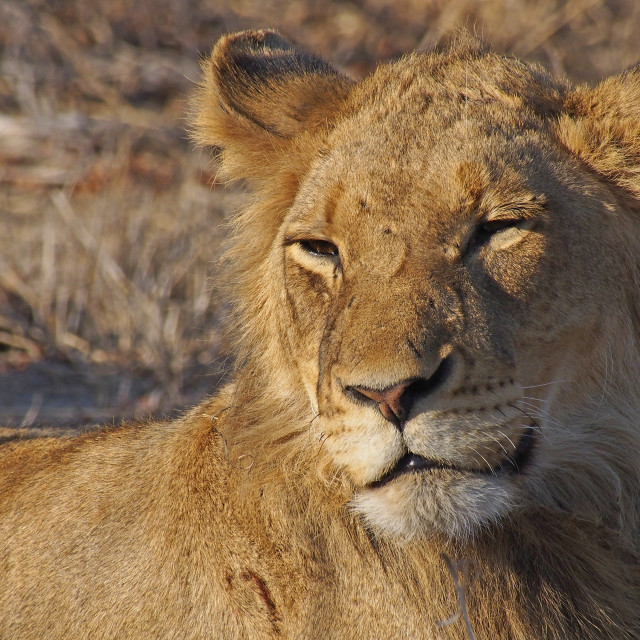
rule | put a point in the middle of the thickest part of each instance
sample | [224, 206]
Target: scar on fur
[226, 445]
[244, 455]
[218, 432]
[462, 609]
[263, 591]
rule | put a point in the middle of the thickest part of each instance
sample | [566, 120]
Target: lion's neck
[542, 574]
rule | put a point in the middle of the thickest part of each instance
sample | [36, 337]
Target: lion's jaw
[469, 332]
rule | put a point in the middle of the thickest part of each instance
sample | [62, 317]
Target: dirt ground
[111, 222]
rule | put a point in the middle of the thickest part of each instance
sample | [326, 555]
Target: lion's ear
[258, 93]
[602, 127]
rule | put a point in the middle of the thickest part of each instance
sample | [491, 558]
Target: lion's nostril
[389, 400]
[395, 402]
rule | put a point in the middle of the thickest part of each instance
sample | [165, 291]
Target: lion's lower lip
[414, 463]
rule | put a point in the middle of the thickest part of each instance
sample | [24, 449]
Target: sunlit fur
[268, 511]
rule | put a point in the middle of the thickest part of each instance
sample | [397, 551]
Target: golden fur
[433, 427]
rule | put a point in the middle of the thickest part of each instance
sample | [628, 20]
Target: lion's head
[438, 275]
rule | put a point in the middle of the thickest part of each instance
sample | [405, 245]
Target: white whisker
[489, 435]
[536, 413]
[488, 466]
[504, 435]
[534, 399]
[546, 384]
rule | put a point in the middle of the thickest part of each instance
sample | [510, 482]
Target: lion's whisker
[546, 384]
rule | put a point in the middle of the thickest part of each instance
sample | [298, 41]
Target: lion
[432, 428]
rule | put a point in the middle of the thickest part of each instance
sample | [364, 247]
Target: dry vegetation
[110, 221]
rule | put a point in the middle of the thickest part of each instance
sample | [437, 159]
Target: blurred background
[110, 220]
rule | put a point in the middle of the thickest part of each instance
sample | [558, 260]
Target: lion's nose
[393, 402]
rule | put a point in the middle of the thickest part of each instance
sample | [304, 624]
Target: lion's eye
[490, 228]
[322, 248]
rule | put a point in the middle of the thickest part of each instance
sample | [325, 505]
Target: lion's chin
[445, 502]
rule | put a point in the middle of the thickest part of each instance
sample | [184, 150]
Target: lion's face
[438, 306]
[447, 287]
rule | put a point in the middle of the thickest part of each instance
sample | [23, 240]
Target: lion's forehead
[392, 192]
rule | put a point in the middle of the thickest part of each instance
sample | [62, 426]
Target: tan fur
[459, 221]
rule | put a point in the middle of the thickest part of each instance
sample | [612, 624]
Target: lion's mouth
[414, 463]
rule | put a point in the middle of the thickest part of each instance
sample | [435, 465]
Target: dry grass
[109, 225]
